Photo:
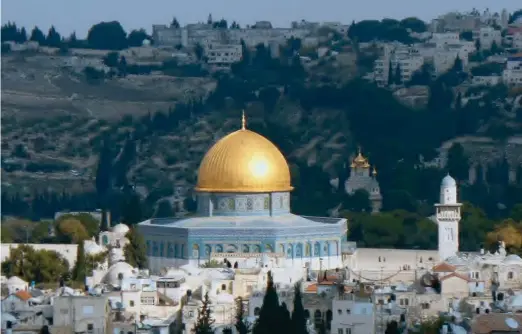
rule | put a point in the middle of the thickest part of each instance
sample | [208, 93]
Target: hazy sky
[80, 15]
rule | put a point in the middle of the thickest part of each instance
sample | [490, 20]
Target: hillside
[54, 122]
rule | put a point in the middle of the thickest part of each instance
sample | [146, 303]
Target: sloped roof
[455, 275]
[23, 295]
[496, 322]
[444, 267]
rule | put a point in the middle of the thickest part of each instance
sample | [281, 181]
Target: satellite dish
[512, 323]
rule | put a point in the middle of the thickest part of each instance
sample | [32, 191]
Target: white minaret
[448, 217]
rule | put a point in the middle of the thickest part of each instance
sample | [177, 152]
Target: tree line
[101, 36]
[44, 266]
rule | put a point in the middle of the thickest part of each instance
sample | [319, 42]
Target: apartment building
[487, 36]
[223, 55]
[352, 314]
[408, 65]
[193, 34]
[512, 74]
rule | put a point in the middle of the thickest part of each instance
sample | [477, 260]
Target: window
[339, 311]
[403, 302]
[340, 331]
[223, 287]
[147, 300]
[90, 327]
[348, 331]
[131, 303]
[425, 306]
[256, 311]
[474, 274]
[133, 286]
[348, 311]
[510, 275]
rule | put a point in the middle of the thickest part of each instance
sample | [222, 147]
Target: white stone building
[223, 55]
[487, 36]
[512, 74]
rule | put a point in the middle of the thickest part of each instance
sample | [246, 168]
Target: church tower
[448, 217]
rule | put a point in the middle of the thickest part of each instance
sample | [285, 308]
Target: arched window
[223, 287]
[105, 239]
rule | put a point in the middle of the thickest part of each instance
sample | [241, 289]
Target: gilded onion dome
[360, 161]
[243, 162]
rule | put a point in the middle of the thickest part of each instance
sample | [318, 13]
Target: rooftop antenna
[243, 121]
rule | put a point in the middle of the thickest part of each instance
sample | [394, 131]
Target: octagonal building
[243, 206]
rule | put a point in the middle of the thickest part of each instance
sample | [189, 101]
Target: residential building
[82, 313]
[223, 55]
[352, 314]
[490, 80]
[512, 74]
[487, 36]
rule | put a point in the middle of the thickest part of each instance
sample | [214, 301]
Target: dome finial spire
[243, 121]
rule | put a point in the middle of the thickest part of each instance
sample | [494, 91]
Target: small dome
[15, 280]
[120, 229]
[117, 270]
[92, 248]
[448, 181]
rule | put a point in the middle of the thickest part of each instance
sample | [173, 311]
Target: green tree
[135, 251]
[80, 270]
[391, 79]
[53, 38]
[164, 209]
[398, 75]
[298, 325]
[91, 224]
[199, 51]
[516, 212]
[457, 163]
[457, 65]
[136, 37]
[269, 320]
[41, 266]
[70, 230]
[242, 325]
[37, 36]
[107, 36]
[414, 24]
[111, 59]
[204, 321]
[467, 35]
[175, 24]
[285, 322]
[359, 201]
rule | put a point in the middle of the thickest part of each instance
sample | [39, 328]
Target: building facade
[243, 206]
[361, 178]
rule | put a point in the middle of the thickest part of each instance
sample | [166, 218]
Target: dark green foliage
[136, 38]
[80, 270]
[164, 209]
[37, 36]
[270, 315]
[457, 165]
[242, 326]
[286, 323]
[136, 250]
[107, 36]
[53, 38]
[298, 323]
[205, 321]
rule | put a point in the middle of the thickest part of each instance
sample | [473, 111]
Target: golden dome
[243, 162]
[360, 161]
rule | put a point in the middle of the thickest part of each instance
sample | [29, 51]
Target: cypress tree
[205, 321]
[390, 73]
[241, 325]
[398, 75]
[80, 270]
[136, 250]
[268, 321]
[286, 323]
[298, 313]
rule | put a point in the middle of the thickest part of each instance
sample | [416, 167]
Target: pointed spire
[243, 121]
[374, 171]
